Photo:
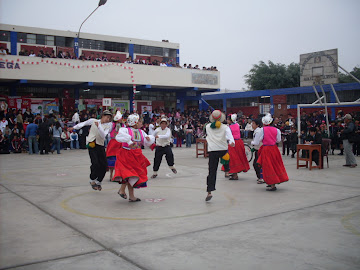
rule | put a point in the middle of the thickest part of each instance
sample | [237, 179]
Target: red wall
[3, 45]
[36, 49]
[254, 110]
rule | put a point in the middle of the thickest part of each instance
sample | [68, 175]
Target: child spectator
[16, 144]
[65, 136]
[74, 140]
[293, 140]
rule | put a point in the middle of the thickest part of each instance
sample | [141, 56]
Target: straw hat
[217, 115]
[164, 120]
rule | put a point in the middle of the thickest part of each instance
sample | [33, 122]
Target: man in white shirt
[163, 140]
[152, 127]
[3, 124]
[95, 143]
[218, 137]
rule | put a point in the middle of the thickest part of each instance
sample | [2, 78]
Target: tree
[273, 76]
[345, 78]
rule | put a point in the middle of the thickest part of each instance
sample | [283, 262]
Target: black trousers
[214, 157]
[159, 152]
[98, 162]
[286, 145]
[256, 165]
[45, 144]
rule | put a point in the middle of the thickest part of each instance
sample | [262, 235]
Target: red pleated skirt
[273, 168]
[113, 148]
[131, 163]
[238, 161]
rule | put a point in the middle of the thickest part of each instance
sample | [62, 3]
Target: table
[201, 151]
[310, 148]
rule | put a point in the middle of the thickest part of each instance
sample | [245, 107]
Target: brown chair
[326, 143]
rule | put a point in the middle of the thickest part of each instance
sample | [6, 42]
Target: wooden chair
[201, 151]
[326, 143]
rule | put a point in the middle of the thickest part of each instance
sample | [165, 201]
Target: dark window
[60, 41]
[348, 96]
[114, 46]
[22, 37]
[99, 45]
[4, 36]
[69, 42]
[40, 39]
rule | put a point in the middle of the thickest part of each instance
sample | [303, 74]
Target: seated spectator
[185, 66]
[65, 137]
[112, 59]
[32, 54]
[118, 60]
[60, 55]
[91, 57]
[98, 58]
[104, 58]
[16, 144]
[189, 66]
[2, 51]
[4, 144]
[41, 54]
[82, 57]
[74, 140]
[196, 67]
[22, 52]
[24, 144]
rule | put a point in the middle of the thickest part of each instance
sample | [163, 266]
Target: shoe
[271, 189]
[208, 197]
[347, 165]
[353, 165]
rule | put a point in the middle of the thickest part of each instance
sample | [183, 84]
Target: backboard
[323, 64]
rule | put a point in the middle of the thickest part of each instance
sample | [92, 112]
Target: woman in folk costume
[238, 161]
[218, 136]
[95, 143]
[114, 146]
[130, 166]
[270, 159]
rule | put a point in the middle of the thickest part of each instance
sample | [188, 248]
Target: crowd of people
[51, 133]
[102, 57]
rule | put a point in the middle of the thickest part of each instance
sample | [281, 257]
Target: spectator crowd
[22, 131]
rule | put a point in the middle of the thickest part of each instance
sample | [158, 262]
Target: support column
[272, 109]
[224, 105]
[76, 47]
[178, 56]
[333, 109]
[13, 41]
[131, 51]
[180, 101]
[131, 98]
[76, 96]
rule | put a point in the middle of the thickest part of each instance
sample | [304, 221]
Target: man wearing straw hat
[218, 137]
[163, 136]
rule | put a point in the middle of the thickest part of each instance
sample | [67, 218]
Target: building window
[40, 39]
[114, 46]
[4, 36]
[69, 42]
[50, 40]
[31, 38]
[60, 41]
[21, 37]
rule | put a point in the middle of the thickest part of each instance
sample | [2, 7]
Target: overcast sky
[230, 34]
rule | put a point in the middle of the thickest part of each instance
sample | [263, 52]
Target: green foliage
[345, 78]
[273, 76]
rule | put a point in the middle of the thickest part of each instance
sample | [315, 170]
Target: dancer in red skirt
[270, 159]
[130, 166]
[238, 161]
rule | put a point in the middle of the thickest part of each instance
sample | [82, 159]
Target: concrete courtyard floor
[51, 219]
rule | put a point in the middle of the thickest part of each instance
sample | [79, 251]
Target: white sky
[230, 34]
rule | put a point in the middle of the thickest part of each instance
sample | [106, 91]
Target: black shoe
[271, 189]
[292, 156]
[346, 165]
[340, 154]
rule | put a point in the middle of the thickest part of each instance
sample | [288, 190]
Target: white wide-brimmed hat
[267, 119]
[217, 115]
[133, 119]
[117, 116]
[164, 120]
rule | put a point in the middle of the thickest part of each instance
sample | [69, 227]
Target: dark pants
[356, 149]
[214, 157]
[286, 145]
[44, 144]
[159, 152]
[256, 165]
[98, 162]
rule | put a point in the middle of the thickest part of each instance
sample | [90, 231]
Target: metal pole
[334, 92]
[356, 79]
[326, 111]
[298, 123]
[86, 20]
[317, 94]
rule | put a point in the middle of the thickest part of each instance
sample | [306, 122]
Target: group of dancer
[123, 155]
[225, 144]
[128, 166]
